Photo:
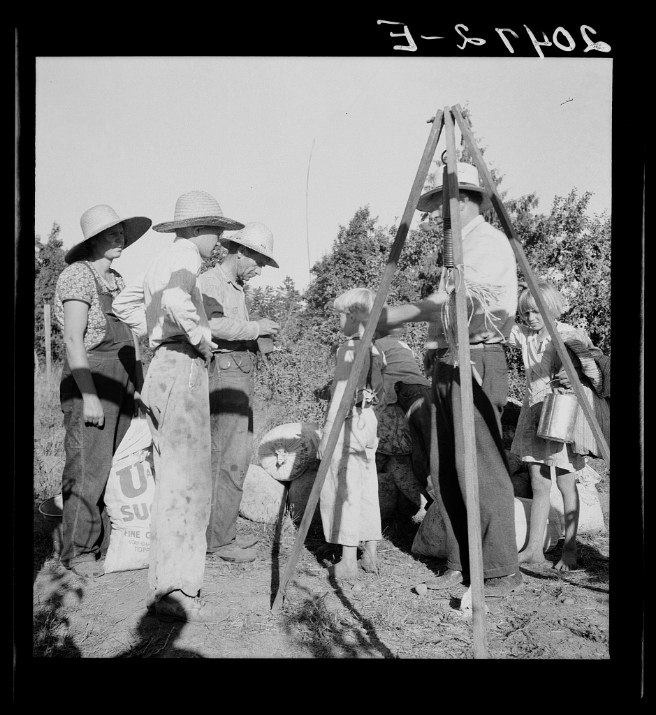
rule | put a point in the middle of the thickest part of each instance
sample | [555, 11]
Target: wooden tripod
[444, 118]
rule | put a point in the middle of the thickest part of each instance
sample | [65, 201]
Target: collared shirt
[225, 306]
[489, 262]
[168, 304]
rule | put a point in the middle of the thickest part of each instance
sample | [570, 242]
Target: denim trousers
[496, 495]
[231, 420]
[89, 450]
[175, 395]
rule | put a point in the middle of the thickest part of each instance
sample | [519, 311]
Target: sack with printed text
[129, 499]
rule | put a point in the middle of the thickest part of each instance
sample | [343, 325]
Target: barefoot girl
[545, 457]
[350, 511]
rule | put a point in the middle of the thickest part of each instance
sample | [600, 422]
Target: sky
[300, 143]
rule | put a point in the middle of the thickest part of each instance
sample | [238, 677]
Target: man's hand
[205, 349]
[268, 326]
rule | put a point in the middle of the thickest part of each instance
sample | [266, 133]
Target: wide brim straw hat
[257, 237]
[467, 181]
[99, 218]
[197, 208]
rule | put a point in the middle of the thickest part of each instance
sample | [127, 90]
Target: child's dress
[541, 362]
[350, 511]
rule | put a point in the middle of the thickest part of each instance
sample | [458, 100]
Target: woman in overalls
[98, 379]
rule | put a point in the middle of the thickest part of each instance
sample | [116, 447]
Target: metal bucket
[558, 417]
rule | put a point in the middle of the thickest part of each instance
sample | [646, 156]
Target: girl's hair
[554, 300]
[355, 301]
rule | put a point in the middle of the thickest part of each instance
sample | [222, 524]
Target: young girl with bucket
[544, 437]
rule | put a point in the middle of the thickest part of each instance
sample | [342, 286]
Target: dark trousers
[90, 449]
[231, 420]
[496, 495]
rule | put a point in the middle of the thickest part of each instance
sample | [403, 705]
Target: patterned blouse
[76, 283]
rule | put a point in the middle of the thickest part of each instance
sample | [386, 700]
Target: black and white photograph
[321, 345]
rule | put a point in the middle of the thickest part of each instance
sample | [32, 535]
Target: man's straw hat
[467, 181]
[257, 237]
[197, 208]
[101, 217]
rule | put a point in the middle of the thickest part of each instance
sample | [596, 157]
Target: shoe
[177, 606]
[241, 542]
[446, 579]
[234, 554]
[88, 569]
[245, 542]
[503, 585]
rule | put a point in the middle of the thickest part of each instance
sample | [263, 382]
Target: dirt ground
[554, 615]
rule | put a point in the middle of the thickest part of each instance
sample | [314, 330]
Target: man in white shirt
[490, 273]
[175, 395]
[231, 381]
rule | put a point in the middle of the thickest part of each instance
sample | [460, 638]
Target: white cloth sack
[286, 451]
[264, 498]
[430, 539]
[591, 517]
[129, 498]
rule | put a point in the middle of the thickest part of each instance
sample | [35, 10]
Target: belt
[486, 346]
[181, 341]
[235, 346]
[490, 347]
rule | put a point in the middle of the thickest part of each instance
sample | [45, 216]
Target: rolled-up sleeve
[182, 295]
[129, 307]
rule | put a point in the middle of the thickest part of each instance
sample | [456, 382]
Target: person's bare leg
[567, 484]
[347, 567]
[369, 560]
[541, 486]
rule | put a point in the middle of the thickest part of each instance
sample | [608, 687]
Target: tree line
[566, 246]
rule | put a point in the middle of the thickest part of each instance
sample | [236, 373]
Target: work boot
[502, 585]
[233, 553]
[446, 579]
[177, 606]
[245, 542]
[87, 568]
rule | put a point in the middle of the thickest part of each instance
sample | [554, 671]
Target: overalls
[90, 449]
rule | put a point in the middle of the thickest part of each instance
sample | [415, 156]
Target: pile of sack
[286, 466]
[282, 478]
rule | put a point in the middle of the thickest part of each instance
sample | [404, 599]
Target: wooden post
[358, 362]
[466, 439]
[46, 328]
[532, 284]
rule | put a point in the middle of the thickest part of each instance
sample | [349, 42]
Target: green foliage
[48, 264]
[567, 247]
[572, 250]
[218, 254]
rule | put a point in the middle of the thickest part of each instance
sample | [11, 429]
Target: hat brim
[270, 259]
[134, 227]
[220, 221]
[432, 200]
